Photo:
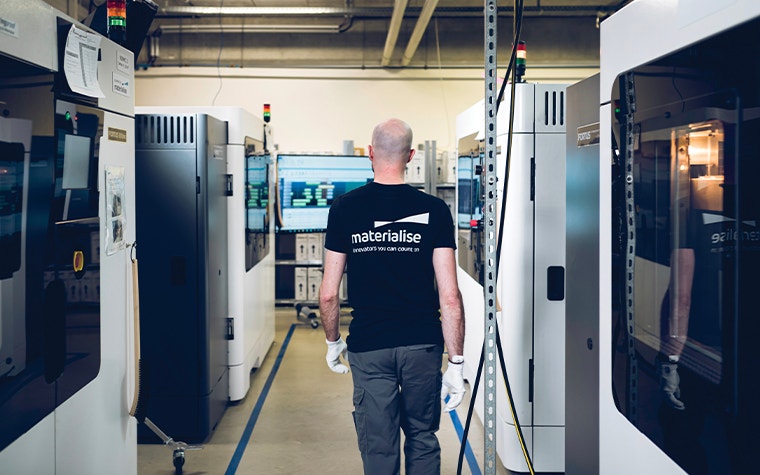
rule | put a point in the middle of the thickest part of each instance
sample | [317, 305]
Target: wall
[315, 110]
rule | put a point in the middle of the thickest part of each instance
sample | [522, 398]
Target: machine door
[515, 280]
[49, 287]
[686, 252]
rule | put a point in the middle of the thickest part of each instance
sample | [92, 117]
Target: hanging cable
[219, 56]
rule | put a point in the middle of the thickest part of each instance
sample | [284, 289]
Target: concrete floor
[302, 425]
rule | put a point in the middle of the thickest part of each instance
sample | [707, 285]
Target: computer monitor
[11, 205]
[257, 193]
[308, 185]
[470, 205]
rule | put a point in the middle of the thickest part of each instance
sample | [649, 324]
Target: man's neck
[387, 181]
[389, 178]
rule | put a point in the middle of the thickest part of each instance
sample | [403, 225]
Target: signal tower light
[520, 62]
[117, 21]
[267, 113]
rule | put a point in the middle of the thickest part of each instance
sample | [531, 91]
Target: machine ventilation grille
[554, 108]
[165, 129]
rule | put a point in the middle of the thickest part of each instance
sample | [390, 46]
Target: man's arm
[682, 277]
[452, 322]
[450, 299]
[329, 298]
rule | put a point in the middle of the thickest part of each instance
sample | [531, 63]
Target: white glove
[453, 383]
[336, 349]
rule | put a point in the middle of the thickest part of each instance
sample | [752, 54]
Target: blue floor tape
[243, 443]
[468, 454]
[238, 455]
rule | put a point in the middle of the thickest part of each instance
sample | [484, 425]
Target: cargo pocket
[360, 419]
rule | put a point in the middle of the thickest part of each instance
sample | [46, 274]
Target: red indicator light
[267, 113]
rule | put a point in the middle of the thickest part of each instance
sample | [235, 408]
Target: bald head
[392, 140]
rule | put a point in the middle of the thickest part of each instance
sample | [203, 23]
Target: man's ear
[411, 154]
[371, 153]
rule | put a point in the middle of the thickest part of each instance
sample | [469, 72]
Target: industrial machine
[669, 320]
[530, 285]
[250, 237]
[67, 220]
[182, 192]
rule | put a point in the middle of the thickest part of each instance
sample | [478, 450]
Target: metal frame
[489, 215]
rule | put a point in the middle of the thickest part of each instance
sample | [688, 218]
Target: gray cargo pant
[398, 388]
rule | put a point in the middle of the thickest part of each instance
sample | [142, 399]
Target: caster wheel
[314, 324]
[179, 461]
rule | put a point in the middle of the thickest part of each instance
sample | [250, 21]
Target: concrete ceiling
[365, 33]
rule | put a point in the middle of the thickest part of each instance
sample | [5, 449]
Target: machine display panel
[308, 184]
[257, 193]
[470, 206]
[256, 208]
[11, 192]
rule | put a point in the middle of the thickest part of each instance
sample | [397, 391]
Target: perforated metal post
[489, 216]
[629, 94]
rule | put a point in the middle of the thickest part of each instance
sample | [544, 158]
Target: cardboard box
[447, 168]
[73, 286]
[89, 288]
[95, 247]
[415, 169]
[302, 247]
[315, 246]
[301, 284]
[315, 280]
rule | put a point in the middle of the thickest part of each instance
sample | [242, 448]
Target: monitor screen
[76, 162]
[470, 206]
[257, 192]
[11, 205]
[308, 184]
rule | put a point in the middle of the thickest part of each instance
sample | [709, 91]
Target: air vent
[165, 130]
[554, 108]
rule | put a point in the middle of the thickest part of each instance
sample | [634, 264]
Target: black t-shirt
[714, 237]
[388, 233]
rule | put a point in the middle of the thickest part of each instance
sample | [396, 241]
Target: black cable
[470, 410]
[219, 56]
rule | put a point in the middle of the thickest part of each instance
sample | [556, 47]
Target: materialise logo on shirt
[729, 235]
[417, 218]
[400, 236]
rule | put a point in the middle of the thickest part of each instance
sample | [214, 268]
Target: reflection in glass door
[686, 193]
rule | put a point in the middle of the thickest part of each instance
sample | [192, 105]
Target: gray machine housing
[181, 193]
[582, 304]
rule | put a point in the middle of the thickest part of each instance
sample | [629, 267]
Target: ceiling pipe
[376, 12]
[419, 29]
[390, 41]
[208, 29]
[187, 11]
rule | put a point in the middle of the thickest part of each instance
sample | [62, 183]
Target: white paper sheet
[80, 62]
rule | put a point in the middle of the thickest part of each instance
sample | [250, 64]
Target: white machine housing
[91, 432]
[638, 34]
[531, 326]
[250, 293]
